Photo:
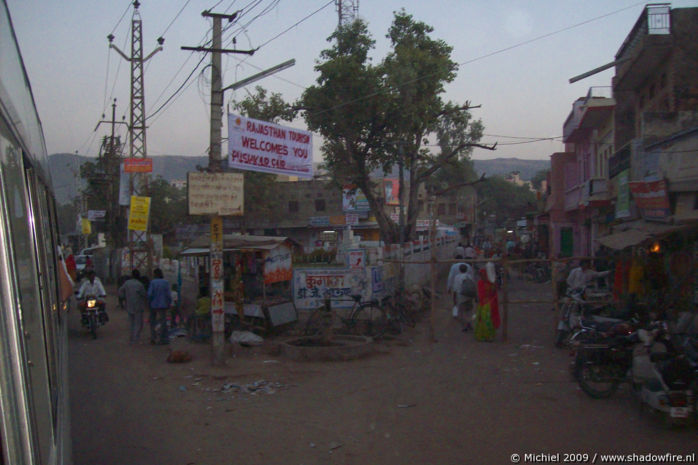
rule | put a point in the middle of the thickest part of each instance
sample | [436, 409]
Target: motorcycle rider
[91, 286]
[580, 277]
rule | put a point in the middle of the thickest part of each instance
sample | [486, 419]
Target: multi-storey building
[656, 122]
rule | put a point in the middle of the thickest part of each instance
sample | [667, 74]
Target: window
[662, 81]
[293, 206]
[651, 94]
[320, 205]
[441, 210]
[451, 208]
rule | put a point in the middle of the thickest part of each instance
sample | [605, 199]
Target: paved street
[452, 402]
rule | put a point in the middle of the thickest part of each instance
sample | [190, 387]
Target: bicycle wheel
[369, 320]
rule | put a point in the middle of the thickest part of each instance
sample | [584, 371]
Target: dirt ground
[454, 401]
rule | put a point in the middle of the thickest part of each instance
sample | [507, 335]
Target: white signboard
[215, 193]
[256, 145]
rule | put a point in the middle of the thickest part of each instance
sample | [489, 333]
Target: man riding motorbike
[92, 288]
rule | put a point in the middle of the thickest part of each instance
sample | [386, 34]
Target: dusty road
[456, 401]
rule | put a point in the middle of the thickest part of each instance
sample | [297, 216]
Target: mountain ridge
[65, 169]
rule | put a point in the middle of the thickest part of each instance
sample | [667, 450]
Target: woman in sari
[487, 320]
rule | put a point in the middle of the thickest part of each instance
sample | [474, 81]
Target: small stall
[257, 273]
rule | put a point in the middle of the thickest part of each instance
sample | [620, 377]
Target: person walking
[459, 252]
[133, 293]
[159, 300]
[470, 253]
[487, 318]
[452, 273]
[465, 292]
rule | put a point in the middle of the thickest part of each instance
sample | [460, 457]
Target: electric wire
[122, 16]
[175, 18]
[482, 57]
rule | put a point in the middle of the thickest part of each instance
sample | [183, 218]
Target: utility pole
[140, 247]
[110, 157]
[215, 164]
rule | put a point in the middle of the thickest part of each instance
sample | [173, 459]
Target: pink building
[579, 177]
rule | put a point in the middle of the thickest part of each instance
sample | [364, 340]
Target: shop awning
[621, 240]
[639, 231]
[232, 242]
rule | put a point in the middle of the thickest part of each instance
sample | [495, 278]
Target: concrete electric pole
[215, 164]
[140, 246]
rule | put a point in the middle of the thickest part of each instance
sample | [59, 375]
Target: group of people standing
[158, 298]
[468, 293]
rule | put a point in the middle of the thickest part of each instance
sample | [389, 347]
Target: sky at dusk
[515, 59]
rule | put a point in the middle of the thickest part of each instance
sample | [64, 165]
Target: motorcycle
[93, 314]
[671, 389]
[576, 308]
[605, 360]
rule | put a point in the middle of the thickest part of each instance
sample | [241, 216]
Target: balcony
[647, 45]
[573, 197]
[588, 113]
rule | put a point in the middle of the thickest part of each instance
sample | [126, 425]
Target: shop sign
[353, 200]
[138, 165]
[96, 215]
[256, 145]
[85, 226]
[217, 295]
[215, 194]
[356, 259]
[312, 285]
[651, 198]
[623, 195]
[319, 221]
[277, 265]
[338, 220]
[351, 219]
[391, 189]
[139, 213]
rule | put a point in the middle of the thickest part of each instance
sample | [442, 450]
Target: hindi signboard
[215, 193]
[651, 197]
[139, 213]
[138, 165]
[256, 145]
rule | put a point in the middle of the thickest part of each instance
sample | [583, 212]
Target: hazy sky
[515, 60]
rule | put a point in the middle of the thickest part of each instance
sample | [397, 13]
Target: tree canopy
[375, 117]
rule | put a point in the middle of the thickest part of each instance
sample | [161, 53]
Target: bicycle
[322, 318]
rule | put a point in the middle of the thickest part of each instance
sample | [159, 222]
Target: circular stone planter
[312, 349]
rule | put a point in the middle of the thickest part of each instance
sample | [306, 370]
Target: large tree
[380, 116]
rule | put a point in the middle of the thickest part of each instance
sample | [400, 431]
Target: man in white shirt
[459, 252]
[470, 253]
[91, 286]
[580, 277]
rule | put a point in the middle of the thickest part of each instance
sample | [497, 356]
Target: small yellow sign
[86, 226]
[139, 213]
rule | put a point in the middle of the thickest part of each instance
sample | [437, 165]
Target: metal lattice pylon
[348, 11]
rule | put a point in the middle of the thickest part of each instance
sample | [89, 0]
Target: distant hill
[503, 166]
[65, 169]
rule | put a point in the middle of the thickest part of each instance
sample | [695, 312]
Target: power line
[481, 57]
[122, 17]
[175, 18]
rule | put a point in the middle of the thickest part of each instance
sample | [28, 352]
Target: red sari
[487, 293]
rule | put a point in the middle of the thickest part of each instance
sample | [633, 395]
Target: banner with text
[256, 145]
[215, 193]
[139, 213]
[652, 198]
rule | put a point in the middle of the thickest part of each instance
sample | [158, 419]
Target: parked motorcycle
[603, 362]
[671, 389]
[576, 308]
[93, 314]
